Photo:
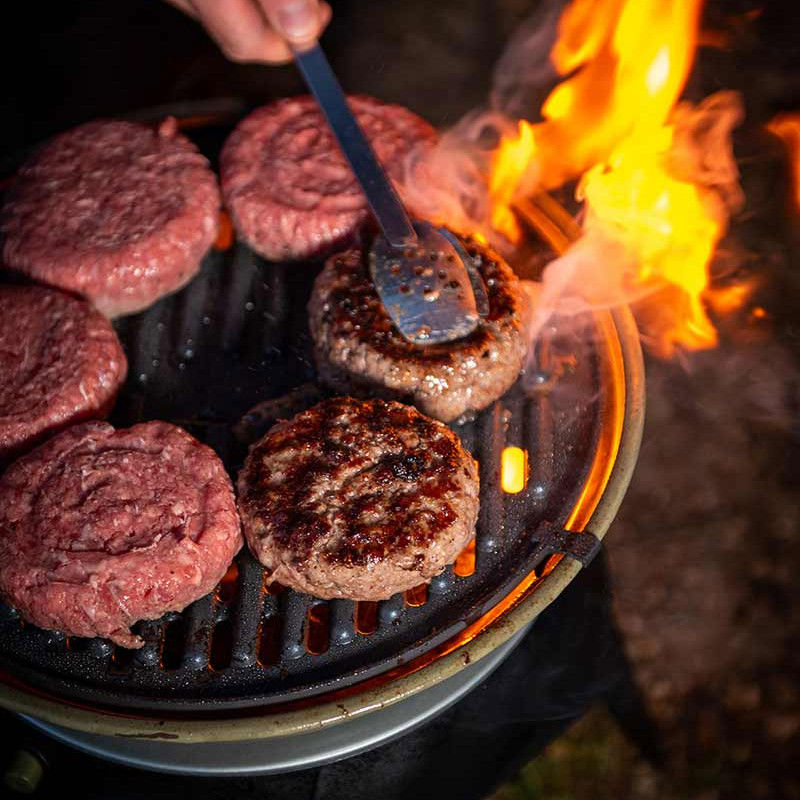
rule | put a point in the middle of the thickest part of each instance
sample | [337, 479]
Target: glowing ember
[787, 126]
[465, 563]
[513, 469]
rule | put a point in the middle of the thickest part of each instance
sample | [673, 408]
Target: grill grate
[236, 336]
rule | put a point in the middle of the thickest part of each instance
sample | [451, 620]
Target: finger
[185, 6]
[299, 21]
[241, 30]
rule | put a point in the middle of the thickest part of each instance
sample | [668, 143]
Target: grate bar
[342, 622]
[250, 607]
[491, 515]
[294, 608]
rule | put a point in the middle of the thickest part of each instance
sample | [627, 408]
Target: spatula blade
[426, 289]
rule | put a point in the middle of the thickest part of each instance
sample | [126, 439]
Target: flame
[509, 164]
[613, 123]
[787, 126]
[727, 299]
[665, 223]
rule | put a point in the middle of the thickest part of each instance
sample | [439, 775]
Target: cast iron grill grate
[237, 336]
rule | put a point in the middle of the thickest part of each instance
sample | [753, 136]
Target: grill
[238, 336]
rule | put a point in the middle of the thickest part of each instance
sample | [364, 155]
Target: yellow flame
[510, 161]
[513, 469]
[665, 223]
[787, 126]
[627, 62]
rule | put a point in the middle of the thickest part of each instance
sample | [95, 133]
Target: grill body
[237, 336]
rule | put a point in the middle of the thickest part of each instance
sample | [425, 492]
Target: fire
[612, 123]
[787, 126]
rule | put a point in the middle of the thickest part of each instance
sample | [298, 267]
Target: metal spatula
[421, 272]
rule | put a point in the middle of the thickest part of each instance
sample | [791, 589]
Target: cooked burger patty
[60, 363]
[289, 189]
[357, 348]
[358, 499]
[100, 528]
[114, 211]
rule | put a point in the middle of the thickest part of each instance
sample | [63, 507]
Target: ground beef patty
[358, 499]
[60, 363]
[289, 189]
[115, 211]
[357, 348]
[100, 528]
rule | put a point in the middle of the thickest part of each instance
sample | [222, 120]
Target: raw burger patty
[100, 528]
[115, 211]
[358, 499]
[357, 349]
[60, 363]
[288, 187]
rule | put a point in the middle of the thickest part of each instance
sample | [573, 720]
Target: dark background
[65, 63]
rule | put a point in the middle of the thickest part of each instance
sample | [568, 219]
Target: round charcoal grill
[253, 660]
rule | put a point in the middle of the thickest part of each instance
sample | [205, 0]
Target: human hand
[259, 30]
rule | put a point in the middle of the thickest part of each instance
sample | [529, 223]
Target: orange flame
[664, 221]
[609, 122]
[787, 126]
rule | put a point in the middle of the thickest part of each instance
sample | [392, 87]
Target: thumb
[298, 21]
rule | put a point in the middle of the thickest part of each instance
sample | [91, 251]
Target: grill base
[303, 751]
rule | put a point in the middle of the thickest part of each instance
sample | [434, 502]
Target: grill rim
[520, 607]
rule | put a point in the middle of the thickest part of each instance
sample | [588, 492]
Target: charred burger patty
[358, 349]
[358, 499]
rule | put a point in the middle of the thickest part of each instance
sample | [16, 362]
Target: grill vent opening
[465, 563]
[228, 588]
[269, 641]
[417, 596]
[121, 660]
[172, 648]
[317, 628]
[221, 645]
[366, 617]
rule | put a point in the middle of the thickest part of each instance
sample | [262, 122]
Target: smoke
[449, 183]
[702, 149]
[524, 73]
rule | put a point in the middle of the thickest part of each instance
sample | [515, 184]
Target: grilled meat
[358, 499]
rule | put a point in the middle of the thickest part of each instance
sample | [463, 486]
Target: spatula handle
[381, 195]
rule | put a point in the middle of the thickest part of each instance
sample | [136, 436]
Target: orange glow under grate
[514, 469]
[465, 563]
[417, 596]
